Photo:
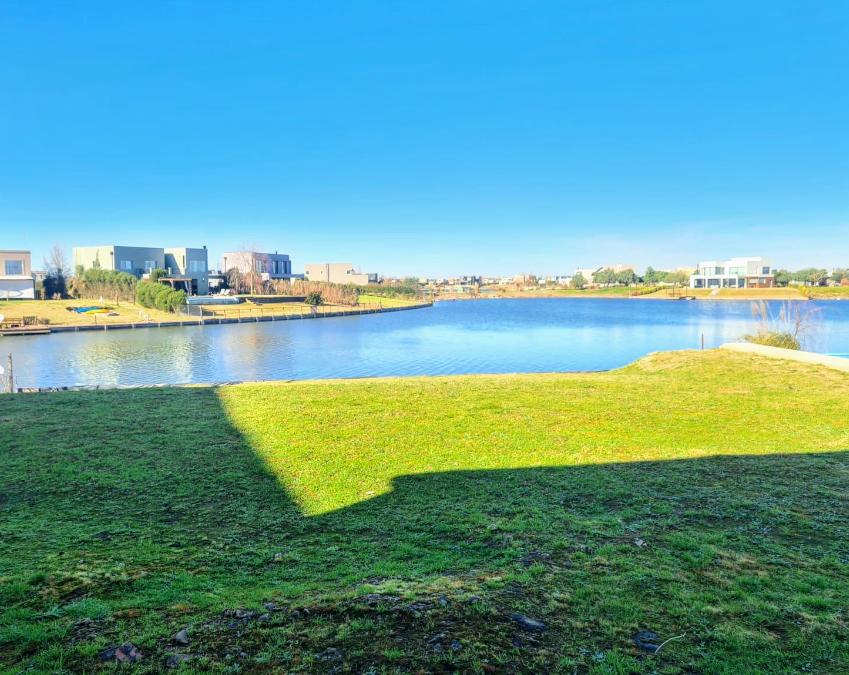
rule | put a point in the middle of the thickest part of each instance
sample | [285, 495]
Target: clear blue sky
[430, 137]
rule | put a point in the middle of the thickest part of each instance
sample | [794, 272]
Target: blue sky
[430, 138]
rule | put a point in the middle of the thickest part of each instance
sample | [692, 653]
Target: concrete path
[835, 362]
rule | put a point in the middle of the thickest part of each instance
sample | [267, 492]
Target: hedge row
[95, 283]
[159, 296]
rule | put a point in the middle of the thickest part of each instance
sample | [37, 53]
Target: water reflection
[455, 337]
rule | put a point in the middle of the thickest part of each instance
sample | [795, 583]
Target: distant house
[525, 280]
[269, 266]
[187, 267]
[587, 273]
[751, 272]
[619, 267]
[338, 273]
[16, 280]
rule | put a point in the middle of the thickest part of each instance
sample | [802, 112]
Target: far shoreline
[595, 295]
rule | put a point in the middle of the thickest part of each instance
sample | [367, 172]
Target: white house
[16, 280]
[338, 273]
[751, 272]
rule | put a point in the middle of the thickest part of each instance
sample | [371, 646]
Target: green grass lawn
[397, 525]
[386, 301]
[826, 292]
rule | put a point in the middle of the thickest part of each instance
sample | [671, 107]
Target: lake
[486, 336]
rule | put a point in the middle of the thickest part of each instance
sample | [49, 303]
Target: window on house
[149, 265]
[197, 266]
[14, 267]
[125, 265]
[765, 270]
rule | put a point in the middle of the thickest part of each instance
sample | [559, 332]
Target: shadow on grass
[149, 503]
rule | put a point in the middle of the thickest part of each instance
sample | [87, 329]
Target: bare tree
[56, 265]
[243, 274]
[56, 262]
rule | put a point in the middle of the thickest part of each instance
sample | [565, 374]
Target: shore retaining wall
[213, 321]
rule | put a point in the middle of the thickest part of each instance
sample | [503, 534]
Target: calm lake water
[487, 336]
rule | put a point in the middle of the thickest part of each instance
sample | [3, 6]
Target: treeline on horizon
[809, 276]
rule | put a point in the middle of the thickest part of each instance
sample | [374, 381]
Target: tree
[604, 277]
[811, 276]
[839, 274]
[818, 277]
[55, 283]
[578, 281]
[653, 276]
[243, 274]
[679, 278]
[625, 277]
[782, 278]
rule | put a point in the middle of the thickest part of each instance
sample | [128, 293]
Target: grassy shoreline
[742, 294]
[55, 314]
[403, 524]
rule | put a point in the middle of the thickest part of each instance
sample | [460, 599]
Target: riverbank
[524, 523]
[619, 292]
[159, 319]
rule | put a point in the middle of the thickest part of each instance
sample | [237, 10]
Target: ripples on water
[487, 336]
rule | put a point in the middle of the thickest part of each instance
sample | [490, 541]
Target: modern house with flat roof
[186, 267]
[750, 272]
[16, 280]
[268, 265]
[338, 273]
[189, 264]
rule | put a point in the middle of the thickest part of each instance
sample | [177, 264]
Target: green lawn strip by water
[398, 524]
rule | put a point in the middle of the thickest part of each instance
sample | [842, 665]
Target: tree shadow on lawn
[138, 512]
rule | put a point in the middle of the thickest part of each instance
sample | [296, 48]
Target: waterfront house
[747, 272]
[16, 280]
[588, 273]
[338, 273]
[187, 268]
[191, 265]
[269, 266]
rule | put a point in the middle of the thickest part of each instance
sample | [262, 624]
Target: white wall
[17, 289]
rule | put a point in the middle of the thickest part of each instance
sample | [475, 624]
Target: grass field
[828, 292]
[55, 312]
[558, 292]
[249, 309]
[402, 525]
[372, 300]
[788, 293]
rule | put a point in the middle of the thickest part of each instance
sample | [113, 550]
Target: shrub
[646, 290]
[409, 288]
[334, 294]
[313, 298]
[775, 339]
[96, 283]
[159, 296]
[786, 329]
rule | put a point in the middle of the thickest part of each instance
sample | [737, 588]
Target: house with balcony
[748, 272]
[269, 266]
[16, 280]
[338, 273]
[187, 268]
